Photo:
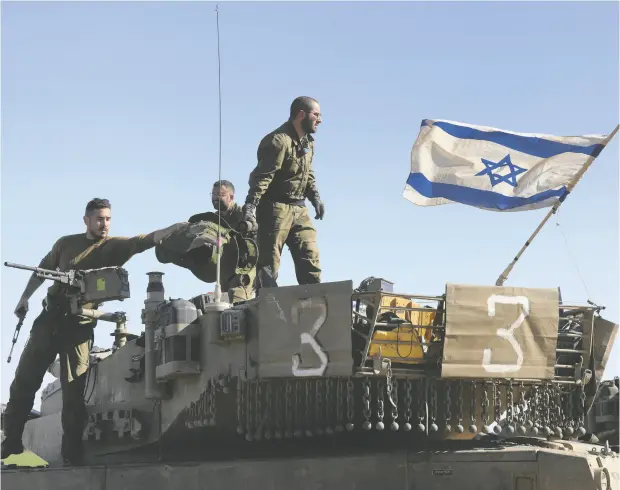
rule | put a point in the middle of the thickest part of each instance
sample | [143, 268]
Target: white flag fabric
[493, 169]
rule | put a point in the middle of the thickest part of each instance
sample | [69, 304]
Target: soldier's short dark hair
[302, 103]
[97, 203]
[225, 183]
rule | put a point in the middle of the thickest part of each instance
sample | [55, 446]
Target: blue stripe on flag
[476, 197]
[530, 145]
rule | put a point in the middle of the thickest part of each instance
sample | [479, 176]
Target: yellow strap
[82, 255]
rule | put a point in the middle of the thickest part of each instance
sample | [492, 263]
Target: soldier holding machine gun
[58, 331]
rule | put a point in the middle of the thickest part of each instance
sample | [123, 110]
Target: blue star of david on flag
[510, 178]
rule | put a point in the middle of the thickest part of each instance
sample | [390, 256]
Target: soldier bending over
[195, 246]
[237, 281]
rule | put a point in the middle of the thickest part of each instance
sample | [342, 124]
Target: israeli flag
[493, 169]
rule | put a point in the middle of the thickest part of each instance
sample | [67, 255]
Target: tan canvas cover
[500, 332]
[602, 342]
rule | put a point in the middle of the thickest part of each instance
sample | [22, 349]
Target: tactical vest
[194, 247]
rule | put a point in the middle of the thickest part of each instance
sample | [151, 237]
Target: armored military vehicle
[334, 386]
[603, 419]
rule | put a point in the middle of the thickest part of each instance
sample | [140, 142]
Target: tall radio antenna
[218, 286]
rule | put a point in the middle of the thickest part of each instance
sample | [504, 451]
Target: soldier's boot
[265, 278]
[73, 461]
[14, 423]
[72, 449]
[74, 418]
[11, 445]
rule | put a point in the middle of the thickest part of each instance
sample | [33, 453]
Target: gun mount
[298, 365]
[85, 290]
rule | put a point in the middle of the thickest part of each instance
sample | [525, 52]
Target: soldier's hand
[319, 207]
[249, 212]
[22, 308]
[159, 235]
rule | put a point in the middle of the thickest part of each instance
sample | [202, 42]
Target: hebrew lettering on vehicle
[500, 331]
[309, 337]
[506, 334]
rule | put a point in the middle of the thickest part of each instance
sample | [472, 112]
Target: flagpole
[504, 275]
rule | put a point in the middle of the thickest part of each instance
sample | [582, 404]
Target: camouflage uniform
[240, 287]
[279, 185]
[57, 331]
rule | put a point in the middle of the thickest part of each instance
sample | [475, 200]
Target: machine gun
[82, 287]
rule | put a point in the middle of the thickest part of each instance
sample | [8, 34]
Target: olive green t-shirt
[80, 252]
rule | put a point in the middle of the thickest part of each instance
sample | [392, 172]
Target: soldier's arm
[125, 248]
[31, 286]
[50, 261]
[271, 154]
[312, 191]
[158, 235]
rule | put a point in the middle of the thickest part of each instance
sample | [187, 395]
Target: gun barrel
[35, 269]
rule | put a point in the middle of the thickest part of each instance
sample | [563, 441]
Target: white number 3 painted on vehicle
[308, 338]
[506, 334]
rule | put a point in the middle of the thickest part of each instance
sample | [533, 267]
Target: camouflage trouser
[51, 334]
[240, 288]
[280, 224]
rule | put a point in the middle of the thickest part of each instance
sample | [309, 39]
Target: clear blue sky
[119, 100]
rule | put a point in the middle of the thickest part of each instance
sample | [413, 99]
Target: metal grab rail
[369, 308]
[366, 325]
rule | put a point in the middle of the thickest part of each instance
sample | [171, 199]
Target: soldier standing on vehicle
[57, 331]
[279, 186]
